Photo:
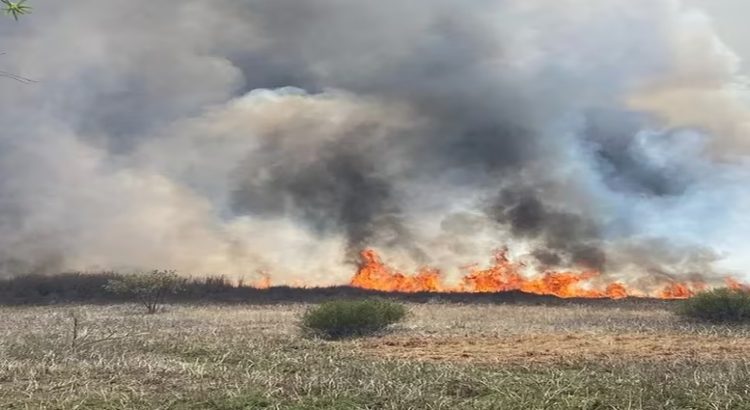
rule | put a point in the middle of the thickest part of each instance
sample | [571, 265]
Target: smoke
[282, 137]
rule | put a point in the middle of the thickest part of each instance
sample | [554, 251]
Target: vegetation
[90, 287]
[251, 357]
[342, 319]
[54, 288]
[15, 8]
[720, 305]
[151, 288]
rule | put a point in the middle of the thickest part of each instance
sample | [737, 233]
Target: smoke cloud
[282, 137]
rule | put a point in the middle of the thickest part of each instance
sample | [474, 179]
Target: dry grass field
[444, 356]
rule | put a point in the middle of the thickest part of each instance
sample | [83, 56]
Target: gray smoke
[279, 136]
[566, 238]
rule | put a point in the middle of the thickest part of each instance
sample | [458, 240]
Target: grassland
[444, 356]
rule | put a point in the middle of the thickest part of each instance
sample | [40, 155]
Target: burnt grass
[77, 288]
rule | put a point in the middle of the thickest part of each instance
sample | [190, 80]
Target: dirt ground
[538, 335]
[561, 348]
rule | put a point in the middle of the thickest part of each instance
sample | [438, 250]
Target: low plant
[719, 305]
[351, 318]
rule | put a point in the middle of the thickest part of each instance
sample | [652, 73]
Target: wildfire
[733, 284]
[505, 275]
[264, 283]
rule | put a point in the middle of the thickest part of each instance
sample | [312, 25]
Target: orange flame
[264, 282]
[374, 275]
[504, 276]
[733, 284]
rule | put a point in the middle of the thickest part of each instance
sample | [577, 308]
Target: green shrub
[149, 288]
[720, 305]
[342, 319]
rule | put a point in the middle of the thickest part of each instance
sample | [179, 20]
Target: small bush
[720, 305]
[342, 319]
[150, 288]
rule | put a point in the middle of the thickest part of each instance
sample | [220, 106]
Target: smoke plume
[282, 137]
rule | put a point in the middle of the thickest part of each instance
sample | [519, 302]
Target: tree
[16, 8]
[149, 288]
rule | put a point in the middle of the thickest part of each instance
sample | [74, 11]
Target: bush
[720, 305]
[150, 288]
[342, 319]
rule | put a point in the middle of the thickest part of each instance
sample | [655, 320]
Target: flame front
[504, 276]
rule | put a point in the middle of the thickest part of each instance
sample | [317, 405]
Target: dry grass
[443, 356]
[565, 348]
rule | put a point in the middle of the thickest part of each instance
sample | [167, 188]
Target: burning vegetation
[506, 275]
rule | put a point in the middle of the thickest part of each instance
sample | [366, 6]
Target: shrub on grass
[342, 319]
[149, 288]
[720, 305]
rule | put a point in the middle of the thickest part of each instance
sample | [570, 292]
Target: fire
[263, 283]
[373, 274]
[504, 276]
[676, 291]
[733, 284]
